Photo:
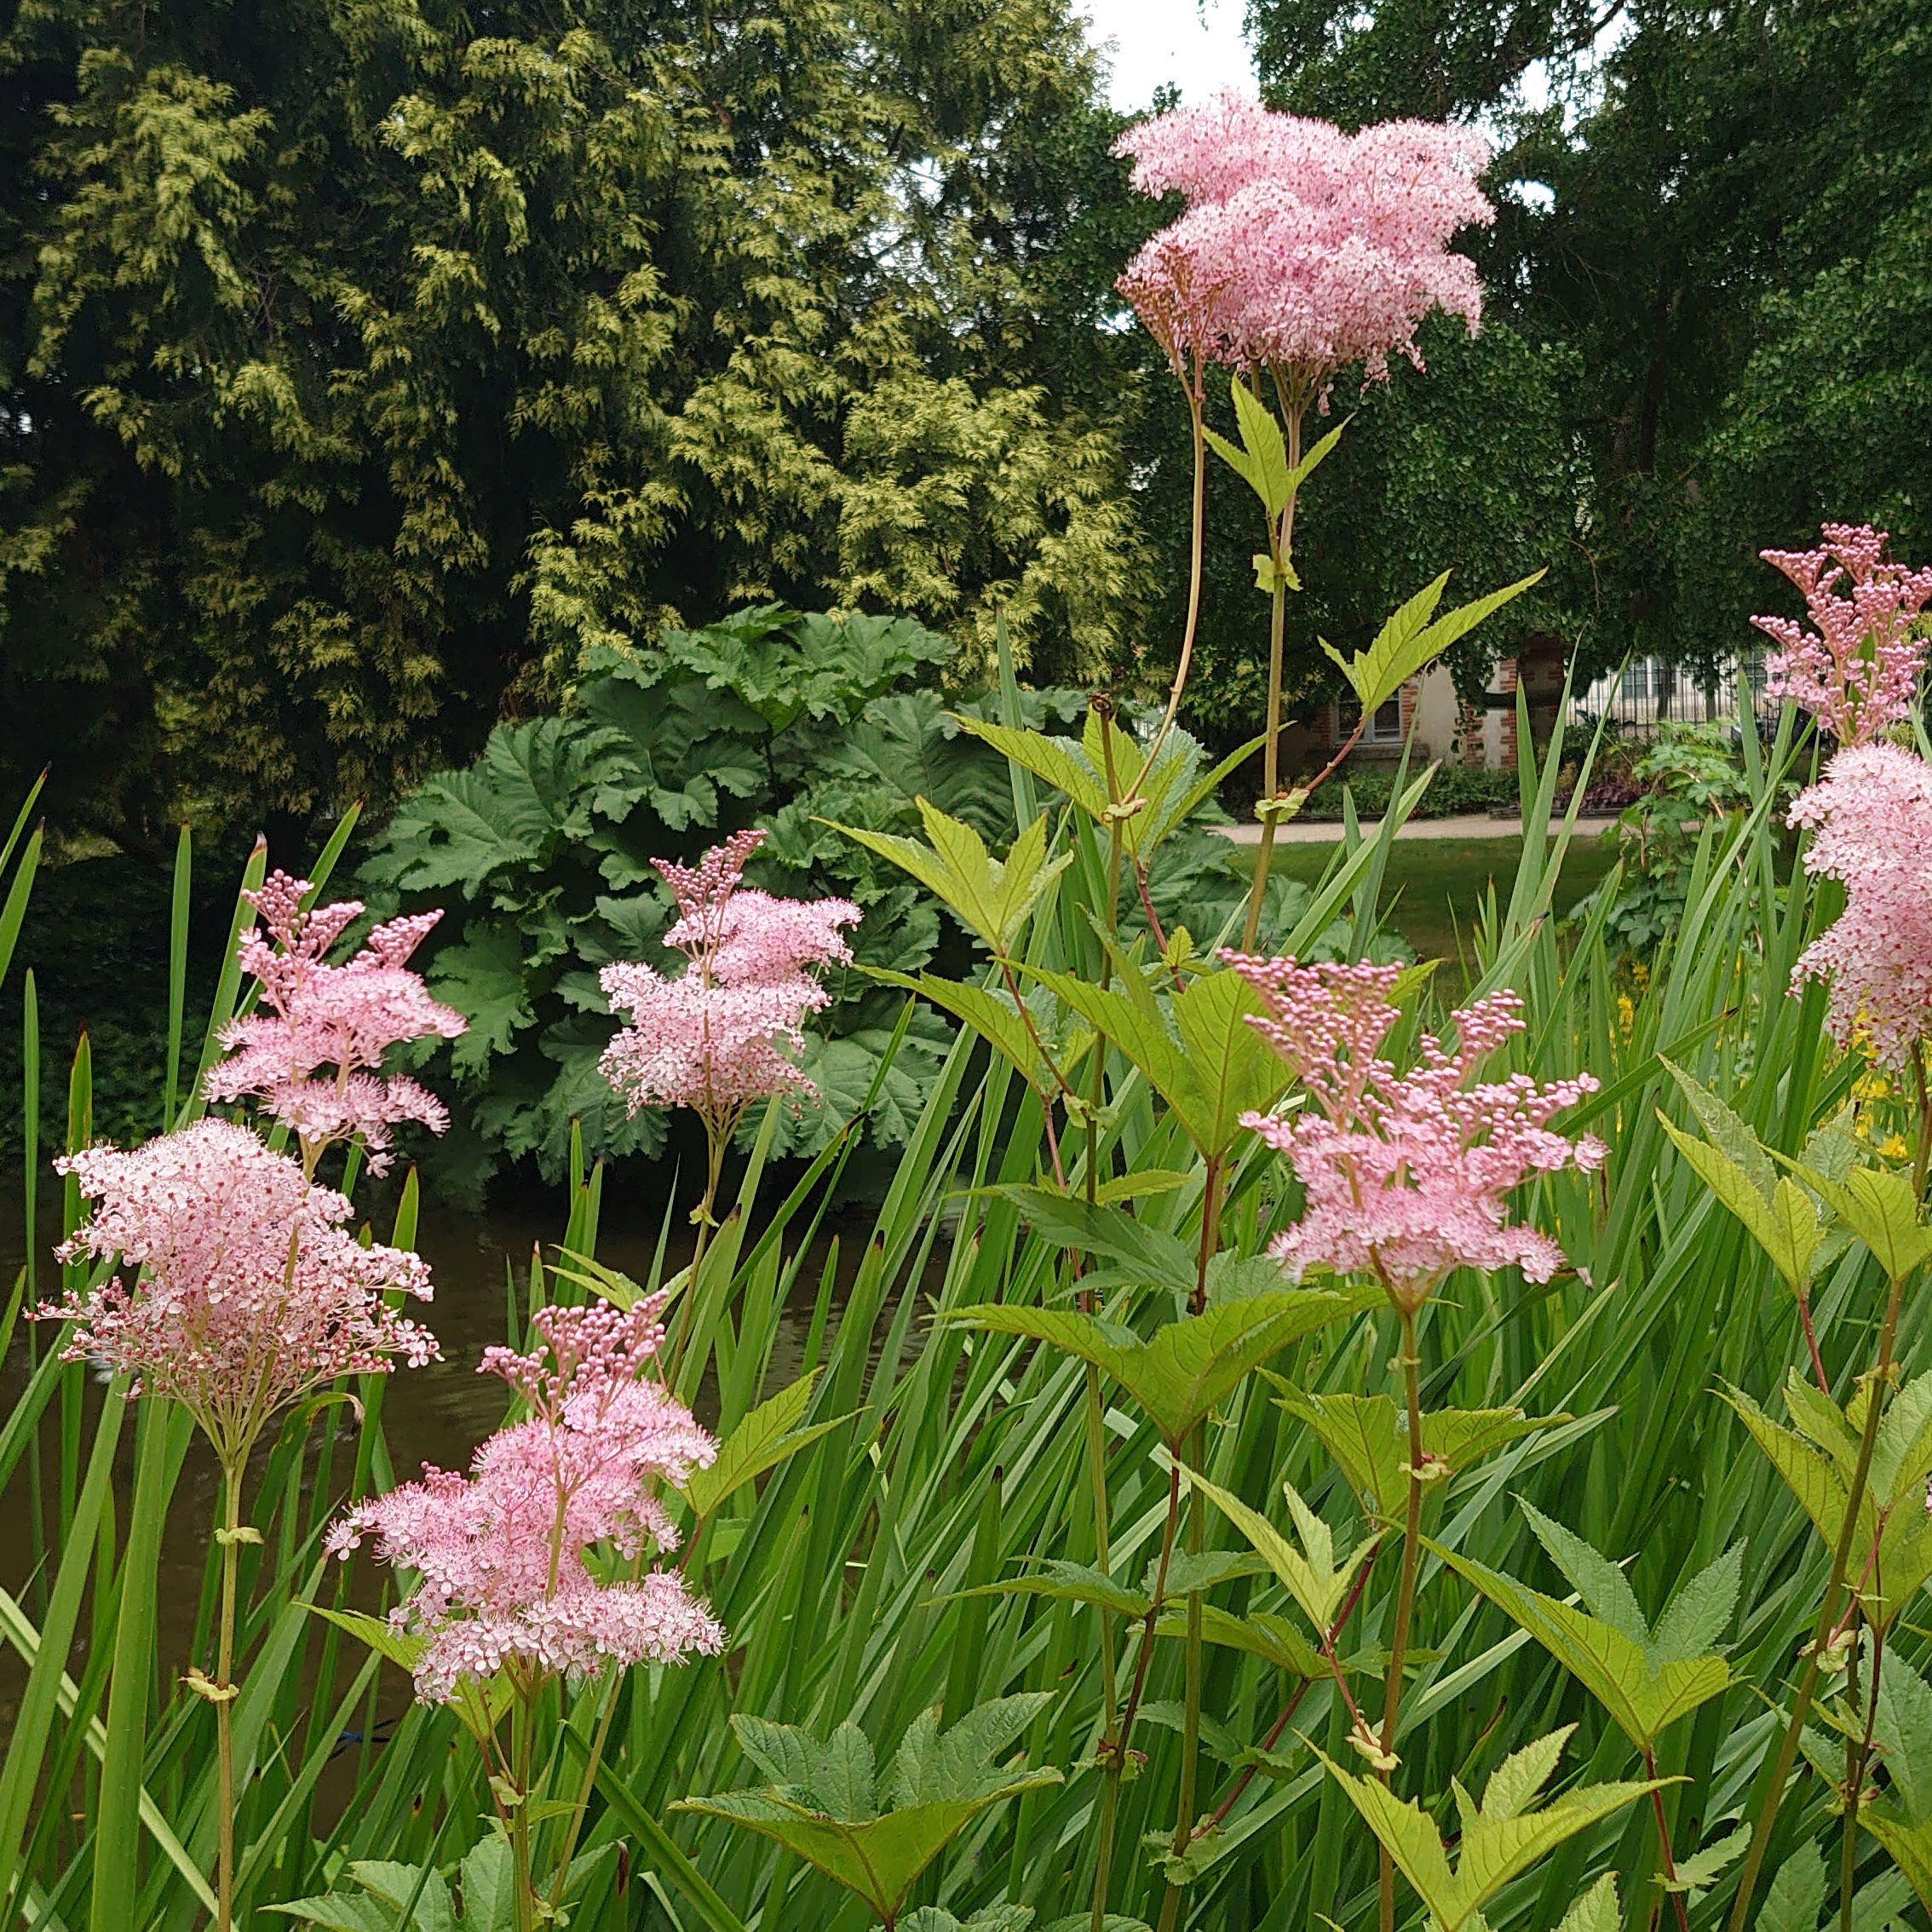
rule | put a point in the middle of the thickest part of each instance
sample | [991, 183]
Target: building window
[1385, 728]
[1634, 687]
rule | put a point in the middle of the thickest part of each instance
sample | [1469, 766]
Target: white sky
[1197, 44]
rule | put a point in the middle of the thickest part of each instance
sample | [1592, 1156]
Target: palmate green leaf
[484, 979]
[1187, 1366]
[1500, 1840]
[1901, 1820]
[1366, 1436]
[1070, 1583]
[999, 1021]
[1643, 1695]
[1210, 1066]
[1882, 1208]
[1058, 762]
[1310, 1574]
[991, 1918]
[1726, 1131]
[1412, 636]
[1260, 1633]
[402, 1898]
[822, 1804]
[1901, 1451]
[1780, 1216]
[1596, 1910]
[1813, 1476]
[1816, 1460]
[990, 897]
[768, 1435]
[1796, 1894]
[1602, 1586]
[1070, 1222]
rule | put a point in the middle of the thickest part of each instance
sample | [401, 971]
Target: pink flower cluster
[1872, 818]
[1406, 1174]
[1301, 249]
[311, 1057]
[1858, 670]
[505, 1553]
[714, 1037]
[251, 1292]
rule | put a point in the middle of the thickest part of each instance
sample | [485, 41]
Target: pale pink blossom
[514, 1558]
[720, 1033]
[313, 1056]
[1407, 1174]
[1303, 249]
[1871, 818]
[1858, 668]
[249, 1293]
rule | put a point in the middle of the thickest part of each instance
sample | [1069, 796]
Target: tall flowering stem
[1858, 670]
[1407, 1178]
[720, 1034]
[1300, 251]
[248, 1294]
[516, 1559]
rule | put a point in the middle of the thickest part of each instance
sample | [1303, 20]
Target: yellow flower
[1871, 1086]
[1626, 1015]
[1895, 1149]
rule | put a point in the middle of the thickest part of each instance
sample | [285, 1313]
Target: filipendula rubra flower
[1301, 249]
[313, 1057]
[720, 1034]
[1407, 1174]
[250, 1293]
[1857, 669]
[1870, 815]
[515, 1559]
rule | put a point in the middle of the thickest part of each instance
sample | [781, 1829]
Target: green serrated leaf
[768, 1435]
[1642, 1695]
[1187, 1367]
[1310, 1574]
[1493, 1850]
[1596, 1910]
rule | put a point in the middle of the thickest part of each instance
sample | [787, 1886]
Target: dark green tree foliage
[1460, 466]
[363, 361]
[1728, 236]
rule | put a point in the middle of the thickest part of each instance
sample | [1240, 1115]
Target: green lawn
[1433, 886]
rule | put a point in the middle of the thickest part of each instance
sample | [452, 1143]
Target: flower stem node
[1835, 1657]
[1119, 814]
[203, 1685]
[1431, 1468]
[1284, 806]
[243, 1533]
[1365, 1741]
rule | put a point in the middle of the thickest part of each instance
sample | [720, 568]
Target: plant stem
[1404, 1589]
[1190, 1708]
[1827, 1619]
[1197, 548]
[1858, 1757]
[717, 1135]
[1280, 543]
[224, 1699]
[525, 1725]
[1663, 1841]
